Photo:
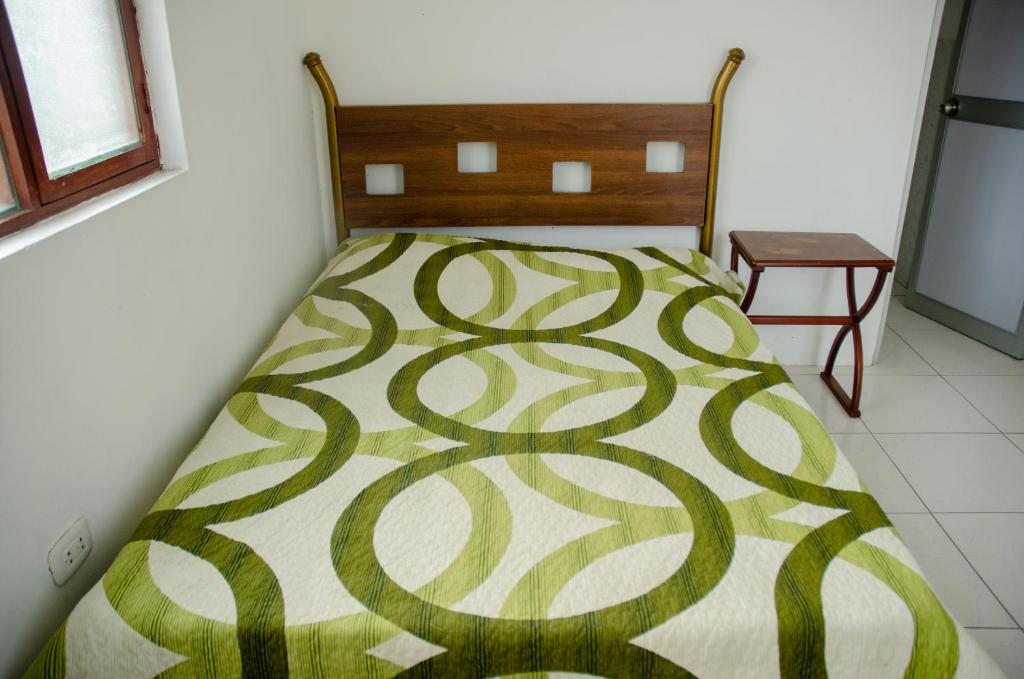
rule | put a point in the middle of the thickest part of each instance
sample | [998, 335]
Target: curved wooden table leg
[851, 402]
[755, 275]
[748, 299]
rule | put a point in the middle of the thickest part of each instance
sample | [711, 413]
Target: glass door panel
[969, 271]
[990, 65]
[973, 250]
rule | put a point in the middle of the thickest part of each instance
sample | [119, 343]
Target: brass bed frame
[529, 138]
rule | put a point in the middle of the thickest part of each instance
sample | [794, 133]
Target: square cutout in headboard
[477, 157]
[570, 177]
[384, 179]
[665, 156]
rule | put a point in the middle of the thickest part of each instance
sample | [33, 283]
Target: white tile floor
[941, 445]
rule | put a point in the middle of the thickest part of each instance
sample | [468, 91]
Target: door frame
[948, 47]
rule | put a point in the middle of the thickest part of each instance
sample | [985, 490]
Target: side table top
[807, 249]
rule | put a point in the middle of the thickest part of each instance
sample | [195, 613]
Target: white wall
[122, 336]
[820, 120]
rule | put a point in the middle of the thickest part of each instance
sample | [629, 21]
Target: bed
[468, 457]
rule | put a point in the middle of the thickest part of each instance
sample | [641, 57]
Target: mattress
[475, 458]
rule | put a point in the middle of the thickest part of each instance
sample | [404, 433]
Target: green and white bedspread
[475, 458]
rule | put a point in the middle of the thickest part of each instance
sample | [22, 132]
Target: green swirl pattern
[476, 458]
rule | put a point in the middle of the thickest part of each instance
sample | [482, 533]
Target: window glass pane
[8, 201]
[76, 67]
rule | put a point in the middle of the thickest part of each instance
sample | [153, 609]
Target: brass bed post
[732, 62]
[323, 81]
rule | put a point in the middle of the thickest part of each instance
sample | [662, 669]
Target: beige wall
[121, 336]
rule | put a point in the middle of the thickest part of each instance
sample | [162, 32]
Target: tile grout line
[951, 386]
[934, 433]
[944, 376]
[964, 397]
[986, 512]
[1020, 626]
[925, 504]
[945, 532]
[899, 471]
[959, 393]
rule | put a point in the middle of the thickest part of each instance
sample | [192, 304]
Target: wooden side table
[766, 249]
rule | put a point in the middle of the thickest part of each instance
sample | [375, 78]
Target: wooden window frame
[38, 195]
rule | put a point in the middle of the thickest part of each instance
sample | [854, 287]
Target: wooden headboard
[418, 145]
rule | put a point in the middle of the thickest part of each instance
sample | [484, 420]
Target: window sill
[50, 226]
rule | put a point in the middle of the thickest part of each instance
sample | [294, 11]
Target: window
[74, 112]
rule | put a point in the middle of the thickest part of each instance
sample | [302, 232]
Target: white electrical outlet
[70, 551]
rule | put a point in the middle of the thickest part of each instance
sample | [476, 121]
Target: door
[968, 272]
